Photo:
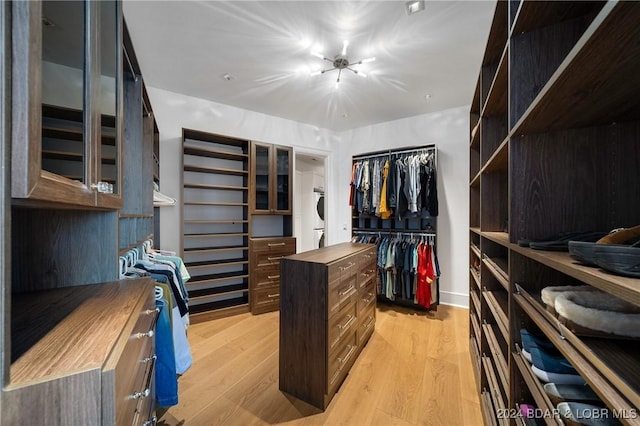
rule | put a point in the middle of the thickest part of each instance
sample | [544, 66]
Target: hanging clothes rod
[391, 232]
[367, 156]
[426, 148]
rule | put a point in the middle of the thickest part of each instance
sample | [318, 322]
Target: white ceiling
[187, 47]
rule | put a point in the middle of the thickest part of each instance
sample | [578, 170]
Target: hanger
[159, 292]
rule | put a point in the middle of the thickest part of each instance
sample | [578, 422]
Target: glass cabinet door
[282, 170]
[63, 151]
[262, 181]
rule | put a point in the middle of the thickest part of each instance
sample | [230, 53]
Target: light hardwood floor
[415, 370]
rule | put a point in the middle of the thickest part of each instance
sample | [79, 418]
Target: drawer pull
[366, 300]
[370, 323]
[151, 311]
[344, 268]
[274, 258]
[366, 275]
[150, 422]
[149, 333]
[137, 395]
[273, 295]
[276, 244]
[149, 359]
[344, 360]
[343, 292]
[344, 327]
[273, 277]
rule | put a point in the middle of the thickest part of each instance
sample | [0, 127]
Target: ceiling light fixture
[341, 62]
[413, 6]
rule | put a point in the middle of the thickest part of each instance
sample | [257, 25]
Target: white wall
[449, 130]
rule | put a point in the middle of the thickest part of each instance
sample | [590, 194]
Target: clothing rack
[410, 227]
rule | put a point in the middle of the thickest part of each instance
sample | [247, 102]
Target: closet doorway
[309, 201]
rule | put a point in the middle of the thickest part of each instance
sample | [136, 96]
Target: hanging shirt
[385, 211]
[375, 188]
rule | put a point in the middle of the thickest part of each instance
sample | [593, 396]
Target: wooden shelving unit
[554, 125]
[215, 227]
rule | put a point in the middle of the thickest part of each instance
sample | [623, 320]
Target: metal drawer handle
[150, 422]
[343, 292]
[348, 355]
[137, 395]
[149, 359]
[149, 333]
[151, 311]
[273, 277]
[344, 327]
[370, 323]
[366, 275]
[273, 295]
[274, 258]
[344, 268]
[276, 244]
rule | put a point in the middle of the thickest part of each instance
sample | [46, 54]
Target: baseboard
[460, 300]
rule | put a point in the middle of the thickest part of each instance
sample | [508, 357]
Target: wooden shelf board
[476, 326]
[475, 138]
[613, 372]
[213, 153]
[213, 138]
[498, 357]
[212, 203]
[212, 311]
[214, 170]
[475, 229]
[218, 235]
[215, 187]
[622, 287]
[476, 277]
[215, 222]
[497, 272]
[214, 249]
[475, 182]
[213, 278]
[497, 102]
[488, 413]
[494, 390]
[533, 384]
[475, 358]
[586, 92]
[195, 295]
[499, 306]
[475, 298]
[501, 238]
[476, 250]
[497, 35]
[533, 15]
[499, 161]
[214, 263]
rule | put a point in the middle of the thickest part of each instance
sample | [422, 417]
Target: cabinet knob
[149, 359]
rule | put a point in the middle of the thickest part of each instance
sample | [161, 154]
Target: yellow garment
[385, 212]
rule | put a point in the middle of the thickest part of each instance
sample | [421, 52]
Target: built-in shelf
[214, 153]
[213, 278]
[215, 170]
[215, 187]
[501, 238]
[498, 268]
[535, 388]
[499, 161]
[217, 263]
[498, 357]
[499, 307]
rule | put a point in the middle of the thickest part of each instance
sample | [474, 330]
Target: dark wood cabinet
[554, 128]
[327, 314]
[271, 178]
[67, 103]
[264, 271]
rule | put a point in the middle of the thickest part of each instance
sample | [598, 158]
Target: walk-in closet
[319, 213]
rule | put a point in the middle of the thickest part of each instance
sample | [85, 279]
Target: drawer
[366, 298]
[343, 268]
[370, 255]
[366, 325]
[134, 367]
[266, 259]
[340, 360]
[145, 413]
[279, 245]
[341, 324]
[367, 273]
[267, 277]
[265, 299]
[341, 293]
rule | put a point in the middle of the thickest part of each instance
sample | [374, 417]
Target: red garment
[426, 275]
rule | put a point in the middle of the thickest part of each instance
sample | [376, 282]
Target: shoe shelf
[499, 161]
[475, 358]
[498, 267]
[476, 250]
[475, 182]
[622, 392]
[475, 324]
[498, 304]
[625, 288]
[476, 277]
[475, 299]
[496, 43]
[496, 104]
[475, 230]
[535, 387]
[497, 398]
[488, 413]
[497, 237]
[498, 356]
[617, 360]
